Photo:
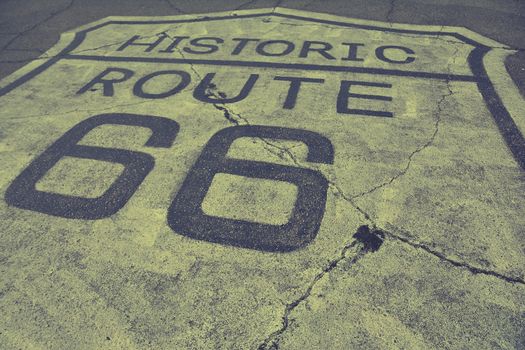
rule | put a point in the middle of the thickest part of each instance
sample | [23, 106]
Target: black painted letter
[352, 52]
[209, 48]
[138, 89]
[345, 94]
[293, 91]
[242, 43]
[380, 53]
[150, 46]
[201, 91]
[107, 84]
[323, 50]
[289, 47]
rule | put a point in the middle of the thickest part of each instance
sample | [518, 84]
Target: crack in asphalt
[417, 150]
[245, 4]
[430, 142]
[22, 33]
[391, 11]
[272, 341]
[26, 60]
[277, 4]
[173, 6]
[367, 240]
[370, 241]
[228, 114]
[211, 91]
[340, 193]
[472, 269]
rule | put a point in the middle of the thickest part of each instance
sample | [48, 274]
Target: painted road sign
[263, 178]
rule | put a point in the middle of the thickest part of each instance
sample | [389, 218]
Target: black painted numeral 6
[23, 194]
[186, 217]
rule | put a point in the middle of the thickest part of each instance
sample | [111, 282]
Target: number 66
[185, 215]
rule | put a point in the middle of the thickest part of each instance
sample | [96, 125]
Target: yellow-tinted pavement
[261, 179]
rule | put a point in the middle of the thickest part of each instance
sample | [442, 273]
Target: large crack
[286, 154]
[366, 240]
[212, 91]
[336, 189]
[234, 118]
[456, 263]
[472, 269]
[369, 241]
[364, 235]
[272, 341]
[283, 152]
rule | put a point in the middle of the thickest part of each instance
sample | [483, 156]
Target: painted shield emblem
[182, 153]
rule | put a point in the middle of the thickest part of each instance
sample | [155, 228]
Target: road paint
[262, 178]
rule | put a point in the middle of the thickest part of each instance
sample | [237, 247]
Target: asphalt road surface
[262, 174]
